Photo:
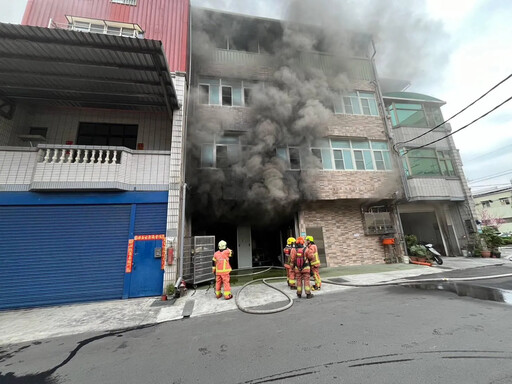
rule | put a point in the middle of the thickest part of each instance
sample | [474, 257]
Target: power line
[460, 129]
[488, 153]
[490, 176]
[458, 113]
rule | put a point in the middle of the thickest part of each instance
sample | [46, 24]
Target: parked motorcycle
[432, 254]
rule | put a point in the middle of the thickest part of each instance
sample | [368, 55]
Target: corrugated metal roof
[68, 68]
[164, 20]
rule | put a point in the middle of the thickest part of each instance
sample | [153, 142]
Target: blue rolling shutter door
[62, 254]
[150, 219]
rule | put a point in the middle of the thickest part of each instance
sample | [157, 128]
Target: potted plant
[492, 242]
[169, 292]
[416, 252]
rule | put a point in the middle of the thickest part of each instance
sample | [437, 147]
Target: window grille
[127, 2]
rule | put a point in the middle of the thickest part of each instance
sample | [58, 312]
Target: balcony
[73, 167]
[435, 188]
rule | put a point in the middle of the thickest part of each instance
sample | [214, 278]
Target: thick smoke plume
[291, 101]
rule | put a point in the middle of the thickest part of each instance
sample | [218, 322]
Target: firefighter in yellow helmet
[302, 268]
[290, 275]
[312, 254]
[221, 268]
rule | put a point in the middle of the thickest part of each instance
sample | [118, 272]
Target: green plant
[418, 250]
[169, 289]
[491, 238]
[410, 241]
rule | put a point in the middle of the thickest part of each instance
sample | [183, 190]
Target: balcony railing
[74, 167]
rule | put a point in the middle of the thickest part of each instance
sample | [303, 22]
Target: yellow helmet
[222, 245]
[290, 240]
[310, 239]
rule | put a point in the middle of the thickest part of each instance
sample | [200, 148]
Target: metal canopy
[79, 69]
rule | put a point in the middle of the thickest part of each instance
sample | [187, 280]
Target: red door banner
[129, 256]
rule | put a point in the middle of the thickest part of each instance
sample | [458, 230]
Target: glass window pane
[358, 155]
[355, 106]
[207, 156]
[424, 166]
[227, 98]
[373, 107]
[294, 158]
[338, 107]
[338, 159]
[204, 93]
[361, 144]
[366, 107]
[409, 106]
[340, 143]
[422, 153]
[347, 159]
[317, 153]
[326, 158]
[379, 145]
[411, 118]
[237, 96]
[247, 95]
[281, 153]
[130, 142]
[347, 102]
[214, 95]
[368, 161]
[221, 156]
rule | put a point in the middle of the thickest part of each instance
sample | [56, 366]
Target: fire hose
[354, 285]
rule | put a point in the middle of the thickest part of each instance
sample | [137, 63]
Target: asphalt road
[363, 335]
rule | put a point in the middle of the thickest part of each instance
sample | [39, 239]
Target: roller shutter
[62, 254]
[150, 219]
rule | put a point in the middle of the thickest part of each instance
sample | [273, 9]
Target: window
[127, 2]
[39, 131]
[225, 92]
[294, 158]
[115, 135]
[224, 152]
[487, 203]
[204, 94]
[408, 115]
[429, 162]
[357, 103]
[107, 27]
[227, 96]
[505, 201]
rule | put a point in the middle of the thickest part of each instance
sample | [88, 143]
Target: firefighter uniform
[221, 268]
[312, 254]
[290, 275]
[302, 268]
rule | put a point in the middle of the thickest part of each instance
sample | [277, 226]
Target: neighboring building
[438, 207]
[494, 208]
[92, 125]
[285, 140]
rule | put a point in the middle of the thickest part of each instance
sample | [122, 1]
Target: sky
[464, 46]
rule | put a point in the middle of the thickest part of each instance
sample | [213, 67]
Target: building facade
[92, 145]
[494, 208]
[438, 207]
[285, 140]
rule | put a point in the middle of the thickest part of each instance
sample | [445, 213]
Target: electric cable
[458, 113]
[487, 153]
[460, 129]
[502, 173]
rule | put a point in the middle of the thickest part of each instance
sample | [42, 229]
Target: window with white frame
[356, 103]
[127, 2]
[104, 27]
[225, 92]
[222, 153]
[343, 154]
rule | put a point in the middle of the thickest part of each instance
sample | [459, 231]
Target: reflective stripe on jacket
[287, 254]
[297, 254]
[221, 260]
[312, 254]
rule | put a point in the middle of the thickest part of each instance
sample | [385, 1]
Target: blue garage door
[62, 254]
[150, 219]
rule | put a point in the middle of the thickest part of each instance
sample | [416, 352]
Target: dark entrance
[424, 226]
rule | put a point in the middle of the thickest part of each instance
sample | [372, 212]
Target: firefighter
[312, 254]
[301, 268]
[221, 268]
[290, 276]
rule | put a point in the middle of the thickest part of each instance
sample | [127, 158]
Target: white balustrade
[79, 155]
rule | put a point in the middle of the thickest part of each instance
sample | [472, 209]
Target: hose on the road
[327, 281]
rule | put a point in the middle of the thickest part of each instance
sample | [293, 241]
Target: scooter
[433, 254]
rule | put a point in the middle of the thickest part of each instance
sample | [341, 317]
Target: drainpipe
[184, 193]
